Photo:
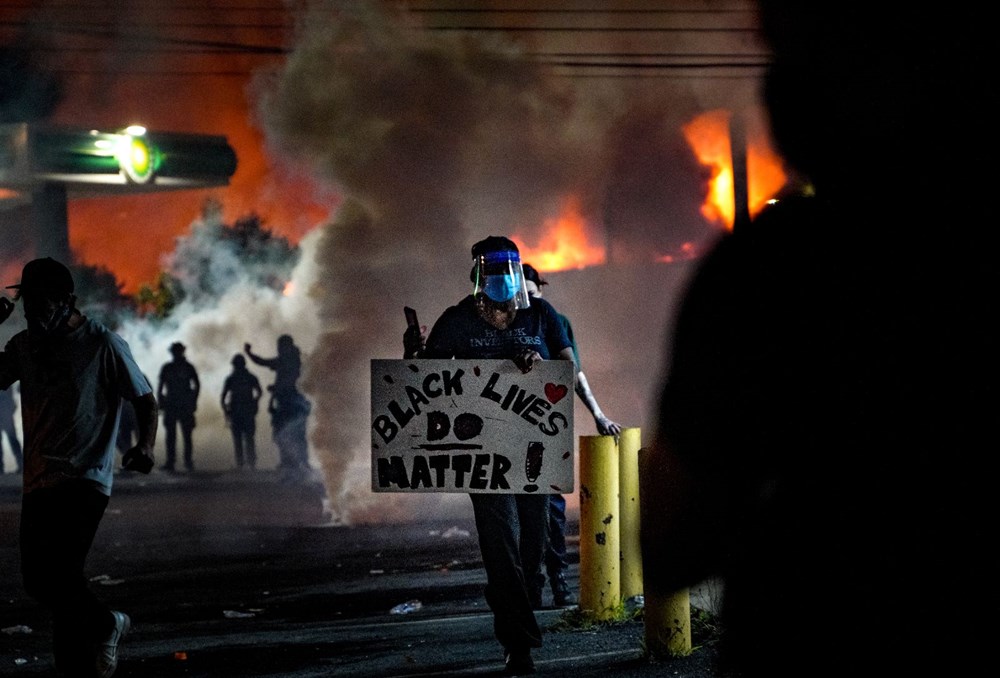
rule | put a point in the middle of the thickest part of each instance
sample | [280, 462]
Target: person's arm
[160, 387]
[222, 400]
[605, 426]
[258, 360]
[195, 382]
[140, 456]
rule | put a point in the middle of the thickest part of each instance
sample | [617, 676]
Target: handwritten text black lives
[471, 426]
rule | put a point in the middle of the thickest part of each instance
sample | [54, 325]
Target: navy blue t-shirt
[461, 333]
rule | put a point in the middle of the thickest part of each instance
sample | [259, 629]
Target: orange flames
[708, 136]
[564, 244]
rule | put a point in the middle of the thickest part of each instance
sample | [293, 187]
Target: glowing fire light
[766, 176]
[564, 244]
[687, 251]
[708, 136]
[289, 289]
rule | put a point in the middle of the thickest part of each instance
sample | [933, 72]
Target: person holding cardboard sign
[499, 320]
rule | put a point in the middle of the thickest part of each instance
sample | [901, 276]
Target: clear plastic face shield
[499, 277]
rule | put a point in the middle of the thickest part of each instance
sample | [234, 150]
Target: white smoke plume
[437, 140]
[215, 328]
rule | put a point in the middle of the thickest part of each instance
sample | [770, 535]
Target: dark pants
[58, 525]
[243, 430]
[555, 550]
[512, 534]
[186, 423]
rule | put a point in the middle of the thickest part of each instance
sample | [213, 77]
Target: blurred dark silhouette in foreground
[830, 384]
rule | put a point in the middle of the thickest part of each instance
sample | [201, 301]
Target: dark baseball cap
[530, 273]
[44, 276]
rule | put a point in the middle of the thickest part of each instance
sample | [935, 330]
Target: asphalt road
[234, 575]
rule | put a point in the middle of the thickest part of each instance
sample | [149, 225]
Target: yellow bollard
[628, 479]
[667, 624]
[666, 616]
[600, 525]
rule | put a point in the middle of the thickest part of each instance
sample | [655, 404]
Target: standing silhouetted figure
[240, 395]
[825, 427]
[178, 396]
[288, 407]
[7, 429]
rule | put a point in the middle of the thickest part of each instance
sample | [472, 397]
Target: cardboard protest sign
[472, 426]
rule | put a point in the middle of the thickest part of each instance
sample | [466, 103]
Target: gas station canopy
[90, 162]
[43, 167]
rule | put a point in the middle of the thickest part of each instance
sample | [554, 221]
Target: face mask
[47, 324]
[500, 287]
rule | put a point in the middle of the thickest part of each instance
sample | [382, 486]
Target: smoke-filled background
[384, 139]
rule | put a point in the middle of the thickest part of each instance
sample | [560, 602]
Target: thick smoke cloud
[437, 140]
[214, 327]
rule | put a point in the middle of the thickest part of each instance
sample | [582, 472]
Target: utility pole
[738, 151]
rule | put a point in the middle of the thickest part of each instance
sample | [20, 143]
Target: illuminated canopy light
[85, 160]
[136, 159]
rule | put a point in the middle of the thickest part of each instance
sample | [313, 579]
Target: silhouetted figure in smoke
[73, 374]
[289, 409]
[128, 427]
[240, 395]
[7, 428]
[499, 321]
[178, 397]
[822, 440]
[555, 550]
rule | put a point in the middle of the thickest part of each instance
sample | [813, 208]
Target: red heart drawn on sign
[555, 392]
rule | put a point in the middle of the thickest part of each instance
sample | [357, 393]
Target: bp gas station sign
[133, 158]
[44, 166]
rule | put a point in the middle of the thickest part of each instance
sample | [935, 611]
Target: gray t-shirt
[71, 394]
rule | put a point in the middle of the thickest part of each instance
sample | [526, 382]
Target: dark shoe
[107, 650]
[518, 662]
[561, 595]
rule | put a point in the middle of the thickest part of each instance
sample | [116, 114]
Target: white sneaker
[107, 650]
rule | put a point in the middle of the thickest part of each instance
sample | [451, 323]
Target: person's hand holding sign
[526, 360]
